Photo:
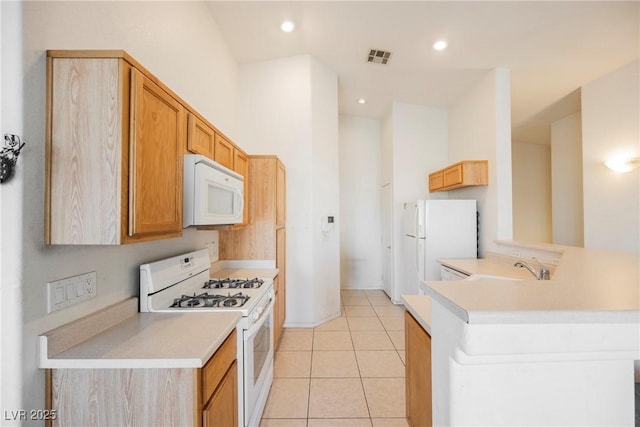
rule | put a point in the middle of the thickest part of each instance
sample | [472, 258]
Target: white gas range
[182, 283]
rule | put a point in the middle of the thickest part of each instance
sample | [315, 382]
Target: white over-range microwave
[213, 194]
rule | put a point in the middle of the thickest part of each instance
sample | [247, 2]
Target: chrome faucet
[543, 274]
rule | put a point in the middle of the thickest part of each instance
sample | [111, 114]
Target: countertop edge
[532, 316]
[575, 294]
[419, 309]
[74, 359]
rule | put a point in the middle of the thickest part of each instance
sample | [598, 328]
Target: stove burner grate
[229, 283]
[210, 300]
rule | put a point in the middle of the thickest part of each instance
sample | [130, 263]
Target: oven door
[258, 364]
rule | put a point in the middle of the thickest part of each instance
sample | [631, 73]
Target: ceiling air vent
[379, 56]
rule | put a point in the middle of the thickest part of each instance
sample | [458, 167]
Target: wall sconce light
[623, 164]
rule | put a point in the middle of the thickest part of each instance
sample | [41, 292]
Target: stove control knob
[254, 317]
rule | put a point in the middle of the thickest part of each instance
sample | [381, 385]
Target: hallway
[346, 372]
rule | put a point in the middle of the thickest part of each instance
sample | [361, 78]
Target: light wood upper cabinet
[223, 151]
[240, 162]
[200, 137]
[258, 240]
[281, 194]
[458, 175]
[241, 165]
[417, 374]
[436, 180]
[115, 137]
[157, 138]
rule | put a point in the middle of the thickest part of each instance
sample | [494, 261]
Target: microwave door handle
[240, 199]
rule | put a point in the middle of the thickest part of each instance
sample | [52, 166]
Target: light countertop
[242, 269]
[420, 308]
[245, 273]
[489, 266]
[588, 285]
[144, 340]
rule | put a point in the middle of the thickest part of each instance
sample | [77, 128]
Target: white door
[387, 238]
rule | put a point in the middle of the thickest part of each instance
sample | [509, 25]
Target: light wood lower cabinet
[222, 408]
[417, 373]
[150, 397]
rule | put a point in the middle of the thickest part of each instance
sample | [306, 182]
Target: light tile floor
[347, 372]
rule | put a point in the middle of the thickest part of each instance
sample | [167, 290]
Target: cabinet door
[281, 194]
[418, 373]
[222, 409]
[241, 165]
[155, 157]
[281, 264]
[83, 151]
[453, 175]
[224, 152]
[436, 181]
[200, 137]
[277, 328]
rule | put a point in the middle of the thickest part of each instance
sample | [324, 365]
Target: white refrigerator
[434, 229]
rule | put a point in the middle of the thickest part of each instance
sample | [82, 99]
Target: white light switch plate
[72, 290]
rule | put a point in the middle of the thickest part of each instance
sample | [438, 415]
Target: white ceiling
[552, 48]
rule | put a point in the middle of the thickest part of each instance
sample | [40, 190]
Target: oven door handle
[258, 323]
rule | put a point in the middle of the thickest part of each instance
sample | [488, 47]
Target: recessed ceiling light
[287, 26]
[362, 101]
[440, 45]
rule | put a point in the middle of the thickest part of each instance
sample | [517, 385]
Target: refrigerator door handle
[415, 251]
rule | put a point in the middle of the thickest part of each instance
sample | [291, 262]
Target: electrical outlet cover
[64, 293]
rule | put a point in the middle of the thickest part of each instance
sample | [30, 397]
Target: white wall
[325, 190]
[610, 126]
[566, 181]
[168, 38]
[419, 146]
[480, 128]
[360, 202]
[276, 102]
[531, 164]
[386, 201]
[11, 211]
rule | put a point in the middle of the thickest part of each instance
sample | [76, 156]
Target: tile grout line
[364, 390]
[313, 337]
